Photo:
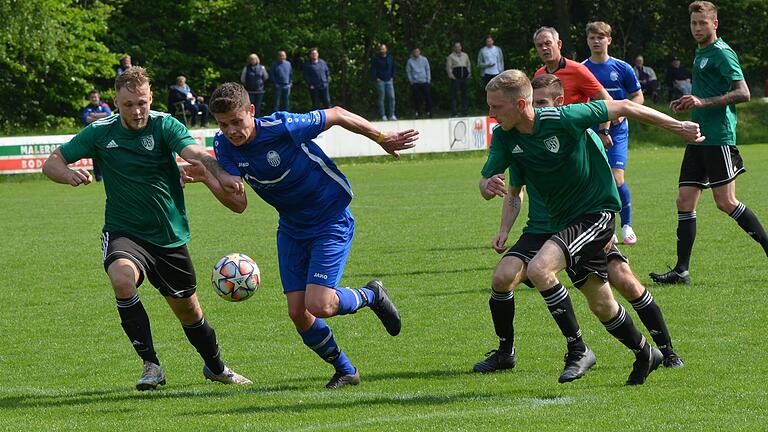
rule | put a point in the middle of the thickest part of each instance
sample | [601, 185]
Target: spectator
[125, 63]
[647, 77]
[419, 76]
[458, 67]
[282, 77]
[490, 60]
[95, 110]
[317, 76]
[383, 70]
[678, 80]
[253, 76]
[182, 96]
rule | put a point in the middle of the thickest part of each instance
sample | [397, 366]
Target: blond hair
[513, 83]
[703, 7]
[600, 28]
[133, 78]
[254, 56]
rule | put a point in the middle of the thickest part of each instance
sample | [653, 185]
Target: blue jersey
[289, 171]
[619, 80]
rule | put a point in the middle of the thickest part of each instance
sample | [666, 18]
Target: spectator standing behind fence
[282, 77]
[95, 110]
[125, 63]
[383, 71]
[419, 76]
[647, 77]
[678, 80]
[181, 92]
[253, 77]
[490, 60]
[317, 76]
[458, 67]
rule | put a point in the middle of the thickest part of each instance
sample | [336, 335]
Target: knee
[625, 282]
[321, 308]
[503, 281]
[537, 272]
[298, 315]
[603, 308]
[726, 205]
[684, 203]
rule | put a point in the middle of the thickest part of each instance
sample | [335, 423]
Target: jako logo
[321, 276]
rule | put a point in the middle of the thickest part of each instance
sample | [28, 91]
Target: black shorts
[527, 246]
[583, 243]
[615, 253]
[706, 167]
[170, 270]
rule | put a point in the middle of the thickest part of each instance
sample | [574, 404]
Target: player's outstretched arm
[55, 167]
[233, 197]
[510, 209]
[689, 131]
[493, 186]
[230, 183]
[739, 93]
[392, 142]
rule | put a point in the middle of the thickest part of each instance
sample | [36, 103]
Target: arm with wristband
[391, 141]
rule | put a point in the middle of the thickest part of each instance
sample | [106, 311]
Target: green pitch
[423, 228]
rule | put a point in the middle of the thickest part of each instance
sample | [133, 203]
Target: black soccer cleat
[497, 360]
[646, 361]
[339, 380]
[671, 277]
[384, 308]
[576, 365]
[672, 361]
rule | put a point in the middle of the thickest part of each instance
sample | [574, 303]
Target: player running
[548, 92]
[542, 147]
[146, 228]
[276, 156]
[619, 80]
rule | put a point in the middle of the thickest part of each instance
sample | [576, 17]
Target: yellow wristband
[380, 138]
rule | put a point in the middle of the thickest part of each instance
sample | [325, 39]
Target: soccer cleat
[576, 365]
[339, 380]
[672, 361]
[227, 376]
[646, 361]
[496, 360]
[671, 277]
[629, 235]
[384, 308]
[151, 377]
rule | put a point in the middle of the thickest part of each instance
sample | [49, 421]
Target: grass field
[424, 229]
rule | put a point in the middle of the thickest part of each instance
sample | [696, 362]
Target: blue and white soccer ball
[235, 277]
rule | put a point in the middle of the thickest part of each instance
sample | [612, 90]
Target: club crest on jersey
[148, 142]
[552, 144]
[703, 62]
[273, 158]
[614, 76]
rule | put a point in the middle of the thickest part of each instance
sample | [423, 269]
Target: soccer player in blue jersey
[620, 81]
[276, 156]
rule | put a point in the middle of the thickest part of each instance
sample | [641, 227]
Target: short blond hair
[705, 7]
[254, 56]
[600, 28]
[513, 83]
[133, 78]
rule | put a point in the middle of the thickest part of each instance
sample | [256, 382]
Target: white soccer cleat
[629, 235]
[228, 376]
[151, 377]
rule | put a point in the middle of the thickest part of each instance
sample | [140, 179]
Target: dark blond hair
[548, 81]
[133, 78]
[513, 83]
[600, 28]
[703, 7]
[229, 97]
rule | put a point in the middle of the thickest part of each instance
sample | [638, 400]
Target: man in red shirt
[579, 84]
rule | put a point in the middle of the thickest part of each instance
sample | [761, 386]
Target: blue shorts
[315, 260]
[617, 153]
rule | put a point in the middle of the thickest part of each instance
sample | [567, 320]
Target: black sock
[503, 314]
[623, 329]
[650, 314]
[561, 308]
[686, 235]
[749, 223]
[203, 338]
[135, 323]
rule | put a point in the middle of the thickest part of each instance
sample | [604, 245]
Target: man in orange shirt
[579, 84]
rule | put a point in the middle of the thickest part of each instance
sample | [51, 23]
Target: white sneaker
[151, 377]
[228, 376]
[629, 235]
[383, 118]
[393, 118]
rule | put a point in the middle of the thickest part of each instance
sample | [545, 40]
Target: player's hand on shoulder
[394, 141]
[691, 132]
[80, 176]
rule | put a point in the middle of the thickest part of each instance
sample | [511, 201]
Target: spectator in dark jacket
[182, 96]
[282, 77]
[253, 76]
[317, 76]
[383, 71]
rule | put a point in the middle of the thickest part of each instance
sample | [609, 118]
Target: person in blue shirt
[383, 71]
[282, 77]
[95, 110]
[620, 81]
[317, 76]
[277, 157]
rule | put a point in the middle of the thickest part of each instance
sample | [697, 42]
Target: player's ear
[251, 110]
[559, 100]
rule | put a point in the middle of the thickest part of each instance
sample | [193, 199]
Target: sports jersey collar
[710, 46]
[560, 65]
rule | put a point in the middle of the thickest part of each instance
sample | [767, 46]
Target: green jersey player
[146, 227]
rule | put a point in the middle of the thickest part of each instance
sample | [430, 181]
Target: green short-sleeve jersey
[141, 178]
[539, 221]
[563, 160]
[715, 68]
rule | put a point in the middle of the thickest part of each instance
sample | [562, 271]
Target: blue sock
[626, 205]
[319, 338]
[350, 299]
